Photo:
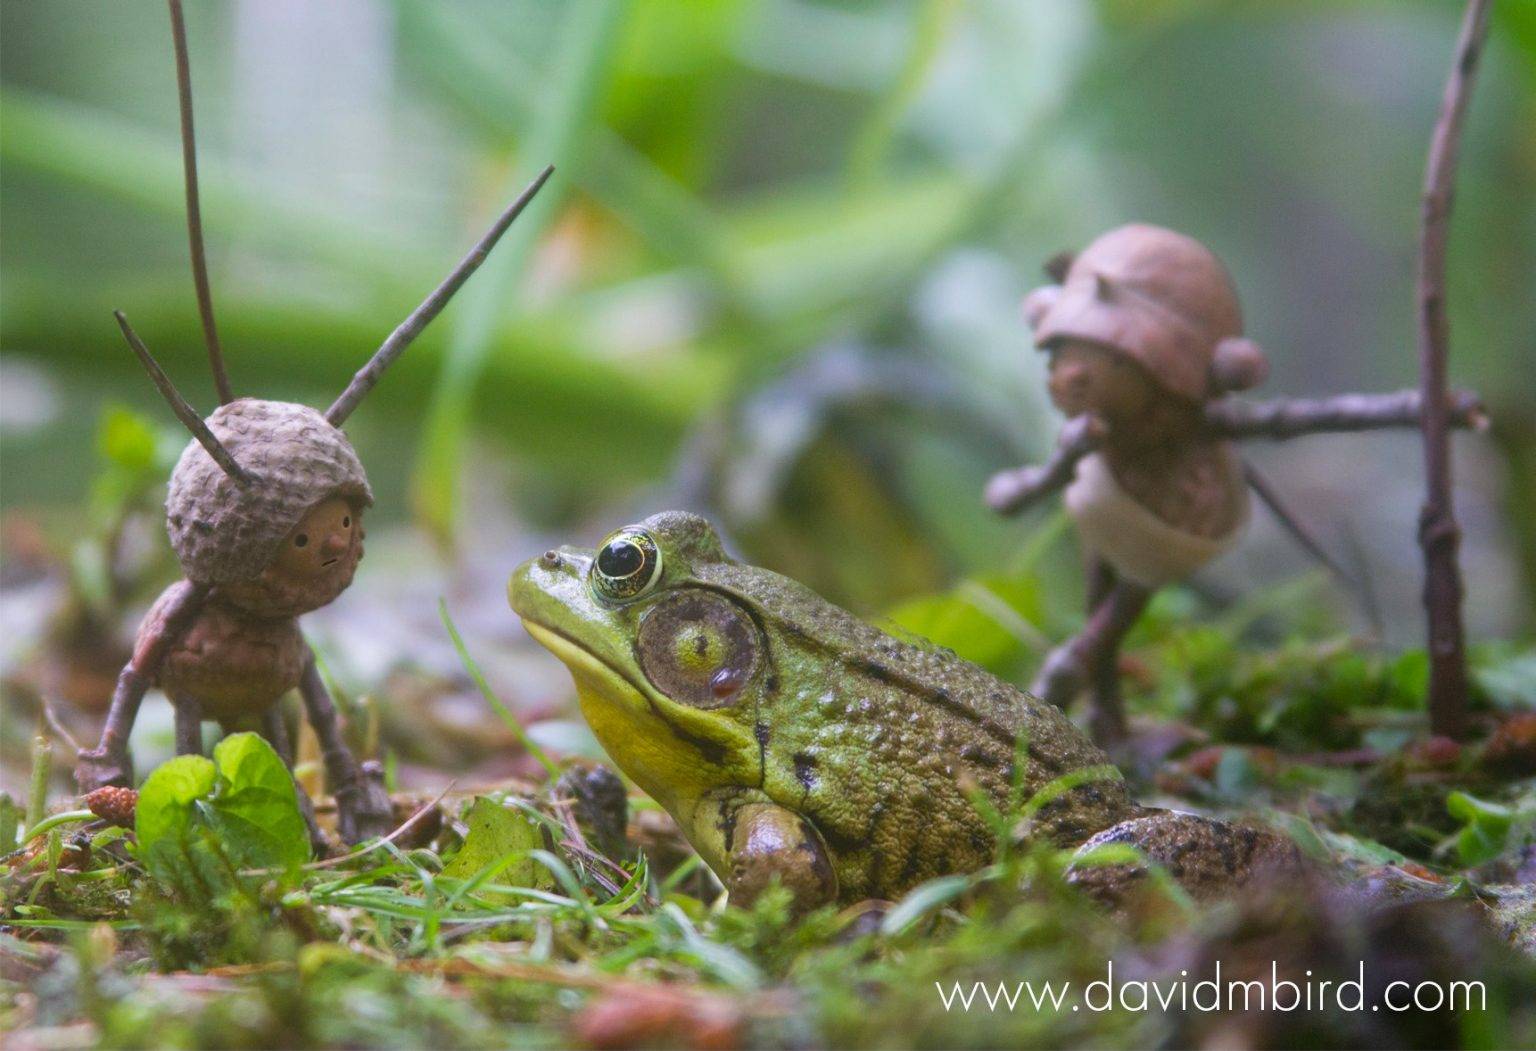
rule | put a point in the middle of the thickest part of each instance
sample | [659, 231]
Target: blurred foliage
[743, 189]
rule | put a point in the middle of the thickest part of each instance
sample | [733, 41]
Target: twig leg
[109, 763]
[275, 730]
[1101, 581]
[1090, 660]
[362, 806]
[189, 726]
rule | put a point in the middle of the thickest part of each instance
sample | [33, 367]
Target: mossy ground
[398, 947]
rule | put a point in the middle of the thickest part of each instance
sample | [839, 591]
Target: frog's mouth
[613, 684]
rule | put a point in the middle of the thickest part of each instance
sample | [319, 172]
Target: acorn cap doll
[264, 511]
[1145, 337]
[1165, 304]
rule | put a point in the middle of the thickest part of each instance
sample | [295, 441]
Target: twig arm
[1284, 418]
[1010, 492]
[406, 332]
[108, 763]
[180, 406]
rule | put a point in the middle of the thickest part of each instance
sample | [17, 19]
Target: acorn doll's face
[1088, 378]
[314, 564]
[323, 545]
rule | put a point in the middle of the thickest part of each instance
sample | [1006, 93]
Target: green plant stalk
[42, 770]
[489, 694]
[53, 821]
[558, 137]
[873, 142]
[10, 822]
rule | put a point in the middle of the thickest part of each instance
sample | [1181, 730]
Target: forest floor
[544, 912]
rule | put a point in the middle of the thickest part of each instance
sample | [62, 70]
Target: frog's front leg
[753, 843]
[1208, 858]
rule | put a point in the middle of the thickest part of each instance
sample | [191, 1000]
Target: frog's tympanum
[795, 743]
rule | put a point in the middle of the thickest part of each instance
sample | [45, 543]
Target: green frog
[794, 743]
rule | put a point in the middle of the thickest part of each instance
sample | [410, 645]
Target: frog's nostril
[550, 559]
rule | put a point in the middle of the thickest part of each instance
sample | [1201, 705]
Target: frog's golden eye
[627, 565]
[699, 648]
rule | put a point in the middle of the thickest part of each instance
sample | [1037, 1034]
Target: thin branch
[194, 209]
[369, 375]
[179, 405]
[1284, 418]
[1010, 492]
[1439, 534]
[57, 726]
[1300, 531]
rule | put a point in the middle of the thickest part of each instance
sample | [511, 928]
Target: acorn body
[232, 664]
[1149, 548]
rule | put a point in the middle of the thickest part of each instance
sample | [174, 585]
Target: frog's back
[876, 739]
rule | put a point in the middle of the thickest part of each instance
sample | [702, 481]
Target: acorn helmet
[226, 530]
[1161, 298]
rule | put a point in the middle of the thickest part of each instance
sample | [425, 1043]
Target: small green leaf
[198, 820]
[163, 819]
[495, 832]
[1486, 830]
[256, 810]
[165, 802]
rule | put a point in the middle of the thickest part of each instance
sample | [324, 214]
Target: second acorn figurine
[1144, 329]
[1145, 337]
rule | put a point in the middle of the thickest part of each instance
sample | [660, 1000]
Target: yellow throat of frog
[674, 753]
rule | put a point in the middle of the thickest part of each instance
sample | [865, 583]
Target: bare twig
[1439, 535]
[369, 375]
[1298, 529]
[180, 406]
[57, 726]
[1012, 491]
[1285, 418]
[194, 209]
[1009, 492]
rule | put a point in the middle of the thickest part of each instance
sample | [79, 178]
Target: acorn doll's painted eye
[627, 566]
[302, 540]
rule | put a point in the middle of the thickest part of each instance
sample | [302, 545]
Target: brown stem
[1012, 491]
[1283, 418]
[180, 406]
[194, 209]
[1439, 535]
[369, 375]
[1009, 492]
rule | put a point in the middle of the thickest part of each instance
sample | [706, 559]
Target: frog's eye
[627, 565]
[699, 648]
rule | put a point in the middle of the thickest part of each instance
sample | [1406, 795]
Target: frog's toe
[773, 845]
[1208, 858]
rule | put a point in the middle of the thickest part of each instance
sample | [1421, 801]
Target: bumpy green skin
[842, 768]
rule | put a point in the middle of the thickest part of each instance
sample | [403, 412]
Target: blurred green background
[776, 276]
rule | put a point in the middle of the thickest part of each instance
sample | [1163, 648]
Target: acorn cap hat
[225, 531]
[1163, 299]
